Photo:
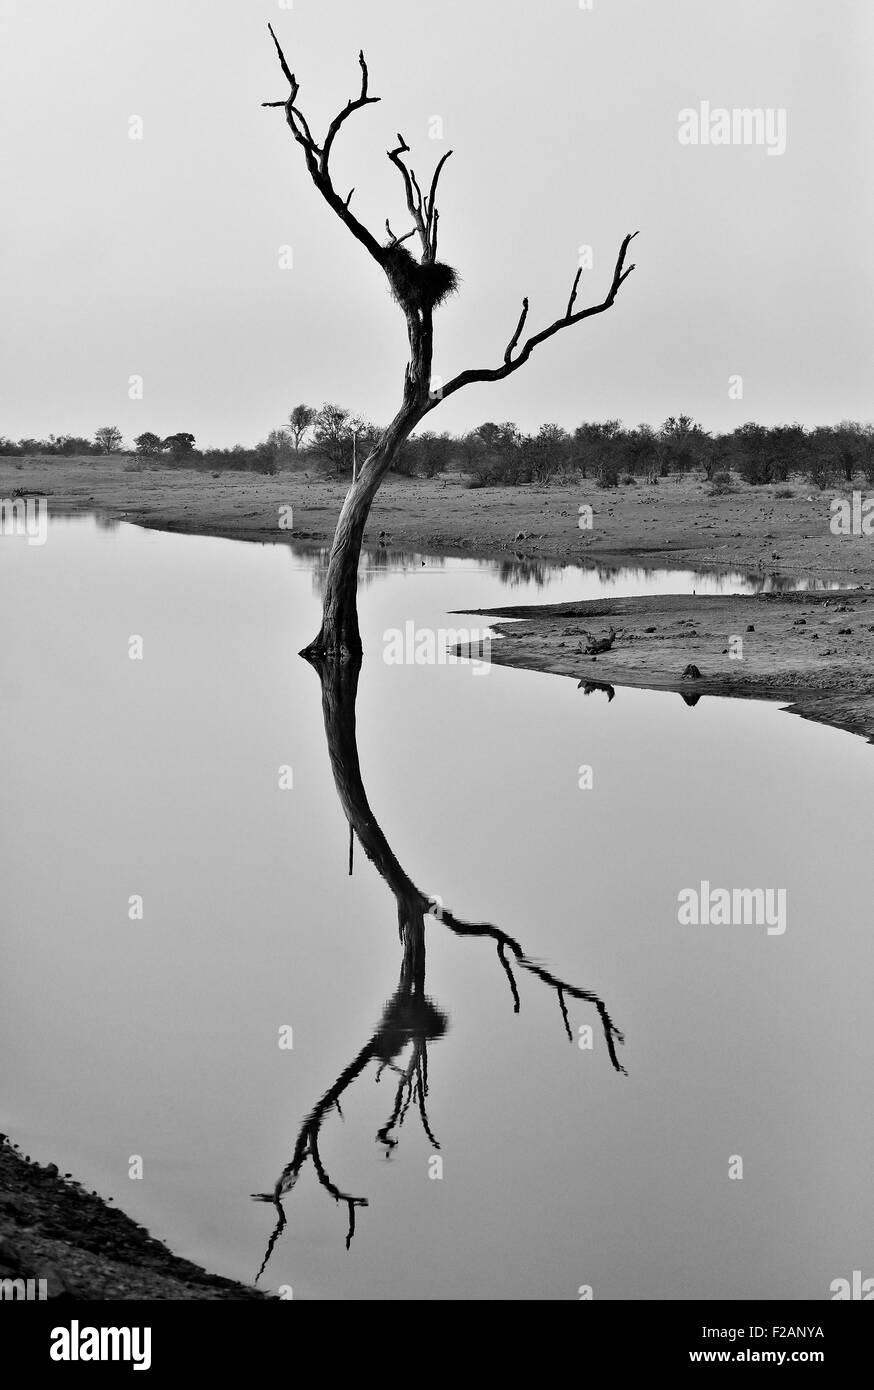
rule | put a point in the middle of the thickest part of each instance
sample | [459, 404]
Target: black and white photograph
[437, 676]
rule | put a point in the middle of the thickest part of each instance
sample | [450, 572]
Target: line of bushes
[331, 439]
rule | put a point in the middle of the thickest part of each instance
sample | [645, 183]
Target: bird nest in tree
[416, 284]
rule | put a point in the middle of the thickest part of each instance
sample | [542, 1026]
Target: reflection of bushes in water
[381, 560]
[522, 571]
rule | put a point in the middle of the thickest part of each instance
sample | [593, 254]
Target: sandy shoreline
[812, 651]
[679, 524]
[778, 532]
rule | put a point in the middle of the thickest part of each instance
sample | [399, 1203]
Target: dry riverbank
[678, 524]
[813, 651]
[52, 1229]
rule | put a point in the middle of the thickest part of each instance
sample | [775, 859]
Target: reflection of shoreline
[679, 525]
[521, 572]
[808, 650]
[410, 1018]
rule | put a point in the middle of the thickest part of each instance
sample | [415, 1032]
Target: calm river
[159, 1035]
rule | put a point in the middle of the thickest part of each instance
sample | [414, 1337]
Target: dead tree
[596, 645]
[418, 284]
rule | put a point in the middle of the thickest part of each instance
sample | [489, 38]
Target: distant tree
[718, 459]
[333, 430]
[490, 434]
[546, 452]
[822, 456]
[432, 453]
[787, 449]
[108, 439]
[181, 445]
[265, 460]
[642, 452]
[595, 445]
[148, 444]
[753, 460]
[683, 444]
[71, 444]
[495, 455]
[848, 444]
[865, 435]
[299, 421]
[283, 449]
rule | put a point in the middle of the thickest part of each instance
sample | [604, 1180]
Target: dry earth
[677, 524]
[52, 1229]
[812, 651]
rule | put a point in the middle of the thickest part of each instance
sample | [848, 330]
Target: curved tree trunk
[339, 635]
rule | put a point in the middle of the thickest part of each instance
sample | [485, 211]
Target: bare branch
[516, 336]
[508, 970]
[362, 100]
[286, 70]
[397, 240]
[466, 378]
[411, 189]
[570, 304]
[429, 203]
[317, 157]
[506, 943]
[432, 216]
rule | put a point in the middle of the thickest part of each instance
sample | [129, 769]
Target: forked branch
[422, 209]
[567, 320]
[507, 944]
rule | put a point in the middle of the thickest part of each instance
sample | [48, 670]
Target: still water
[159, 1037]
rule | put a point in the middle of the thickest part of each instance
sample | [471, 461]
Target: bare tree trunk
[339, 636]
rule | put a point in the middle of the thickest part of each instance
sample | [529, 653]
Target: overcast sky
[160, 257]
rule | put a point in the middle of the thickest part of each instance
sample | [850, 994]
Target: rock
[800, 622]
[9, 1256]
[691, 673]
[12, 1206]
[751, 627]
[56, 1284]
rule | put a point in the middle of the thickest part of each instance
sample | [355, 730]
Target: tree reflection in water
[410, 1020]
